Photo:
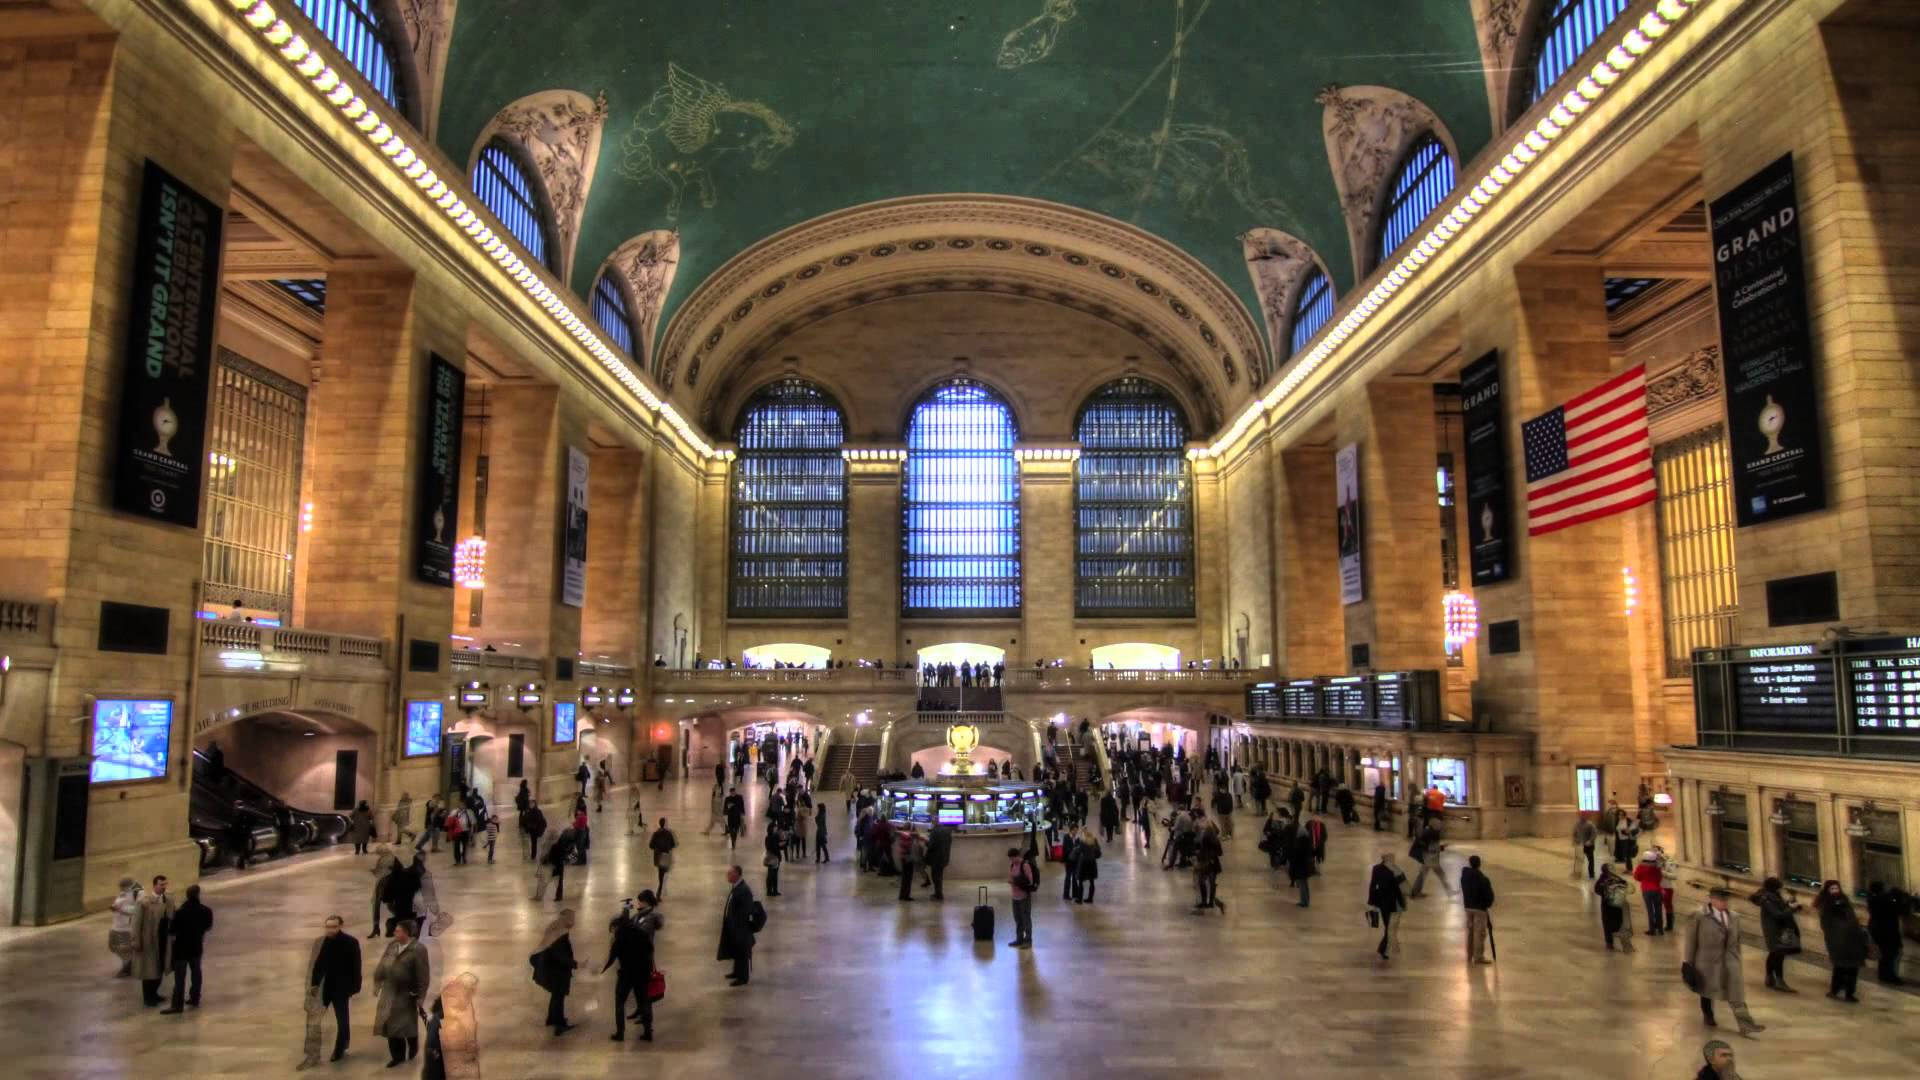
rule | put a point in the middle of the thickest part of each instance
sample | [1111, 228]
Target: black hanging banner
[1773, 406]
[163, 394]
[1489, 507]
[436, 499]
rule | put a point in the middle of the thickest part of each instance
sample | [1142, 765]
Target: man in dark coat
[632, 949]
[939, 853]
[736, 928]
[534, 824]
[333, 977]
[736, 810]
[1885, 908]
[1109, 816]
[189, 931]
[1476, 894]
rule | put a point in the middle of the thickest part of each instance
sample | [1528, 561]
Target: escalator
[220, 799]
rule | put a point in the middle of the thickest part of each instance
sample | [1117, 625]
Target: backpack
[757, 917]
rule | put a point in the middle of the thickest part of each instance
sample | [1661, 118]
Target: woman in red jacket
[1648, 875]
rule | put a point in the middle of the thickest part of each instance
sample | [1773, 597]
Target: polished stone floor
[850, 983]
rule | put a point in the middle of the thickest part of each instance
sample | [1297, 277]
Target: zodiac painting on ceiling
[1033, 40]
[689, 129]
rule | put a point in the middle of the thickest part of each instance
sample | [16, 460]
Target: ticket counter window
[1800, 844]
[1881, 855]
[1450, 776]
[1732, 849]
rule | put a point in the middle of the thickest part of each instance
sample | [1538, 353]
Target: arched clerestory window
[508, 188]
[1133, 504]
[1424, 180]
[608, 302]
[960, 506]
[1567, 28]
[1311, 309]
[367, 38]
[789, 504]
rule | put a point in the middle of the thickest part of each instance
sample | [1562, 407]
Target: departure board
[1263, 699]
[1883, 685]
[1300, 699]
[1786, 688]
[1349, 697]
[1390, 699]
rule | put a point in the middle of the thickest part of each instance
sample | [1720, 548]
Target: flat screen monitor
[565, 727]
[130, 739]
[425, 721]
[951, 815]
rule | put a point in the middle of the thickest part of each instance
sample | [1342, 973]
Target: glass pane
[256, 428]
[790, 504]
[1133, 504]
[505, 189]
[361, 37]
[1425, 181]
[960, 506]
[1699, 588]
[1568, 28]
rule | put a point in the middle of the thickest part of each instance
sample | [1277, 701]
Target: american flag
[1590, 457]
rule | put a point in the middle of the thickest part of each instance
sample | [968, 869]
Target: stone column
[1399, 616]
[1046, 559]
[613, 624]
[1213, 583]
[1312, 633]
[673, 496]
[1244, 526]
[712, 572]
[873, 559]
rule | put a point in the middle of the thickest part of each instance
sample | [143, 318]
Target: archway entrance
[1138, 656]
[959, 652]
[786, 654]
[290, 777]
[1180, 728]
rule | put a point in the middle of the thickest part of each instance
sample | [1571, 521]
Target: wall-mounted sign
[1346, 487]
[426, 721]
[437, 480]
[573, 548]
[130, 739]
[1489, 507]
[565, 722]
[625, 697]
[473, 694]
[169, 353]
[1773, 404]
[592, 696]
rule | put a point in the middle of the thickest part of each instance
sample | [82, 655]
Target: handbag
[1789, 940]
[657, 985]
[1373, 918]
[1690, 975]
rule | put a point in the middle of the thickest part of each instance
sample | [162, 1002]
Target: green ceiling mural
[733, 119]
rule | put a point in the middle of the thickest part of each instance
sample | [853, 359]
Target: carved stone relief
[429, 28]
[1368, 129]
[1278, 262]
[560, 130]
[1695, 378]
[1497, 24]
[648, 262]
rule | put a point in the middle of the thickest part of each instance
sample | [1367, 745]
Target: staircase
[836, 775]
[1087, 773]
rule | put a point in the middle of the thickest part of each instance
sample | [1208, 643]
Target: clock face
[962, 738]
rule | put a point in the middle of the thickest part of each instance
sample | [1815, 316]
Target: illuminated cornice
[450, 197]
[1627, 50]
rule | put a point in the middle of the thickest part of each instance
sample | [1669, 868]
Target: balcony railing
[1065, 677]
[1017, 679]
[242, 644]
[479, 660]
[942, 719]
[596, 669]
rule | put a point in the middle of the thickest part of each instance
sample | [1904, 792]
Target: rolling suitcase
[983, 918]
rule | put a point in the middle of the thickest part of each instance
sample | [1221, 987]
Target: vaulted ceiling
[728, 121]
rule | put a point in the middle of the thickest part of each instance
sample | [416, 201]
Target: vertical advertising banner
[163, 393]
[1489, 507]
[1346, 488]
[437, 494]
[573, 548]
[1773, 406]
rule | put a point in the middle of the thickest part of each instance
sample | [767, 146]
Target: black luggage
[983, 918]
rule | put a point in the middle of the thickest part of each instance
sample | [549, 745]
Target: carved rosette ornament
[1695, 378]
[1278, 262]
[560, 131]
[1368, 130]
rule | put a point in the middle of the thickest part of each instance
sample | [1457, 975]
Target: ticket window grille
[255, 436]
[1800, 843]
[1882, 856]
[1699, 588]
[1732, 844]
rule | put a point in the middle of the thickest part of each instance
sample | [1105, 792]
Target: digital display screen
[1786, 694]
[425, 720]
[1348, 698]
[1263, 699]
[565, 726]
[1300, 699]
[1884, 692]
[952, 815]
[1390, 699]
[130, 740]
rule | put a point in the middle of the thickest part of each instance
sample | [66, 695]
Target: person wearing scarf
[553, 967]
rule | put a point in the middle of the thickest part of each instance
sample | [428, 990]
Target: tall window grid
[790, 504]
[961, 506]
[256, 429]
[1425, 180]
[1133, 505]
[1567, 29]
[609, 304]
[505, 188]
[1699, 588]
[1311, 310]
[363, 37]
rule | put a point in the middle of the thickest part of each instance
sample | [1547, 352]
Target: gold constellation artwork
[690, 128]
[1033, 40]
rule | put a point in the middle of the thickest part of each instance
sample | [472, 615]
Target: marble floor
[850, 983]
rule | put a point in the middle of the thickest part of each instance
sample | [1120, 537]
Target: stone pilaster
[873, 559]
[1046, 557]
[1311, 632]
[1399, 615]
[613, 624]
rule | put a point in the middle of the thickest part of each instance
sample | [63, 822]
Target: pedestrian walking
[1386, 899]
[738, 918]
[1779, 930]
[1476, 895]
[360, 827]
[1023, 880]
[1711, 964]
[1585, 835]
[1846, 941]
[553, 968]
[401, 979]
[1886, 909]
[333, 978]
[662, 843]
[1616, 915]
[126, 904]
[632, 949]
[1649, 875]
[189, 929]
[820, 854]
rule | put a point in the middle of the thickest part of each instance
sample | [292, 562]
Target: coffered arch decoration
[1279, 264]
[646, 263]
[1368, 131]
[429, 29]
[1180, 311]
[560, 132]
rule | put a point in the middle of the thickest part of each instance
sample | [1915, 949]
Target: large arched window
[507, 188]
[961, 506]
[609, 304]
[1425, 179]
[1311, 309]
[790, 504]
[362, 34]
[1133, 505]
[1567, 29]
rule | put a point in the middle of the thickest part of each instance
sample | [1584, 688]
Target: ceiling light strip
[1627, 50]
[451, 198]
